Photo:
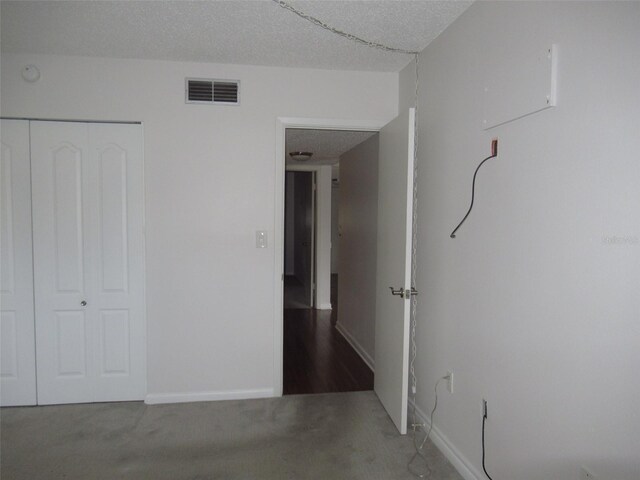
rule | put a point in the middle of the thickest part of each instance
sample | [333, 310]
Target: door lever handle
[399, 292]
[403, 293]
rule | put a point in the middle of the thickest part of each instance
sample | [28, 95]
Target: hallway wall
[358, 218]
[288, 223]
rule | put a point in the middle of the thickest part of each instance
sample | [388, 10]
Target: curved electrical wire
[346, 35]
[484, 418]
[414, 281]
[473, 194]
[419, 448]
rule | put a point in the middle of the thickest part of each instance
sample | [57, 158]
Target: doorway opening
[325, 351]
[393, 244]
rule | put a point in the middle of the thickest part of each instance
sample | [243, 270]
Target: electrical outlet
[450, 381]
[494, 147]
[586, 474]
[485, 408]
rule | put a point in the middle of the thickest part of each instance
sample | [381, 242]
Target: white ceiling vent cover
[212, 92]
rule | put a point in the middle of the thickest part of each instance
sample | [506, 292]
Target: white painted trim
[282, 123]
[310, 167]
[145, 340]
[159, 398]
[448, 449]
[323, 238]
[303, 168]
[324, 306]
[356, 346]
[314, 241]
[278, 256]
[332, 124]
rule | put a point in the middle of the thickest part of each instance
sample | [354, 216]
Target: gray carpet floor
[331, 436]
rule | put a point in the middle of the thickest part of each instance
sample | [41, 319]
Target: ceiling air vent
[209, 91]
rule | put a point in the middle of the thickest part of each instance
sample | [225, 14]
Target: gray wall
[302, 226]
[209, 185]
[358, 217]
[288, 223]
[335, 238]
[535, 304]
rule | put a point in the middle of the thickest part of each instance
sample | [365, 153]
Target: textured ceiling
[326, 145]
[256, 32]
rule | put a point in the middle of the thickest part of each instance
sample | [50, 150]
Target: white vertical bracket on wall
[518, 83]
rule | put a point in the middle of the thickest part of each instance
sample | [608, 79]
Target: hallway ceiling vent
[212, 92]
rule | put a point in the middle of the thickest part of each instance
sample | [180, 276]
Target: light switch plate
[261, 239]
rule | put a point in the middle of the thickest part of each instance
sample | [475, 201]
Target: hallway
[317, 358]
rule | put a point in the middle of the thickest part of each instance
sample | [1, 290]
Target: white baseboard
[324, 306]
[459, 462]
[158, 398]
[356, 346]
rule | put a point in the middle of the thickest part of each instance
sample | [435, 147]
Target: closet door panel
[66, 176]
[114, 264]
[120, 339]
[17, 345]
[62, 261]
[89, 262]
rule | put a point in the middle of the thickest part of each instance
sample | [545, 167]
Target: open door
[393, 284]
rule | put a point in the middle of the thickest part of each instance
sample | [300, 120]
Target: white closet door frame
[17, 342]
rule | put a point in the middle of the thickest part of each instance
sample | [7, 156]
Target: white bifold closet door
[17, 345]
[87, 192]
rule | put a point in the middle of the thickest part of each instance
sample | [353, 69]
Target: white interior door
[59, 158]
[17, 343]
[395, 209]
[88, 261]
[119, 342]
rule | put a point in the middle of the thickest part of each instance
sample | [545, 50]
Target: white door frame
[282, 123]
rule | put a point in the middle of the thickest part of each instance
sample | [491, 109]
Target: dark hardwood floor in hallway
[317, 358]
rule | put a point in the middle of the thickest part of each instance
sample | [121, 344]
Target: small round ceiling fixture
[300, 156]
[31, 74]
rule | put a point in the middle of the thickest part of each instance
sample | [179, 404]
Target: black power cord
[494, 153]
[484, 419]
